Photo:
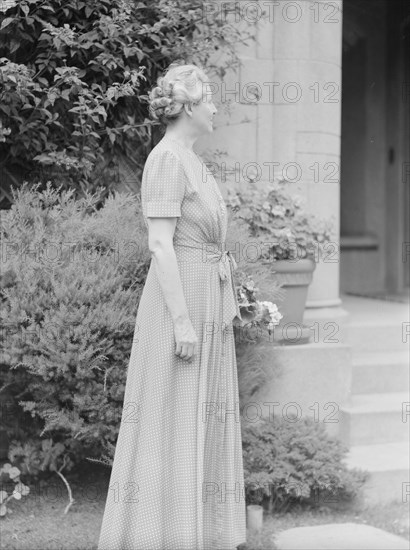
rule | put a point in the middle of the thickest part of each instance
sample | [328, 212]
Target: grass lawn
[38, 520]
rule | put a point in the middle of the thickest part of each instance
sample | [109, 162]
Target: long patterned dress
[177, 479]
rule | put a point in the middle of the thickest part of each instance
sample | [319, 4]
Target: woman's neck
[184, 140]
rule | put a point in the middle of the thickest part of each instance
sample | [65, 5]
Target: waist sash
[211, 253]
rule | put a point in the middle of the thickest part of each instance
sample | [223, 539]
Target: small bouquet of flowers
[256, 313]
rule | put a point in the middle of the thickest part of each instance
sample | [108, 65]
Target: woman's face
[203, 114]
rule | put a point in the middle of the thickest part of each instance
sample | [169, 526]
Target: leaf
[15, 44]
[46, 444]
[156, 39]
[65, 94]
[3, 510]
[3, 496]
[6, 22]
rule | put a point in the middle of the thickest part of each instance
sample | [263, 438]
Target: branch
[70, 494]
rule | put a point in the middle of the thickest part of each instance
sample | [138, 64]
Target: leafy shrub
[288, 461]
[70, 286]
[74, 77]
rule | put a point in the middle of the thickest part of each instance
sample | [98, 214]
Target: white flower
[299, 201]
[13, 472]
[273, 311]
[278, 210]
[21, 489]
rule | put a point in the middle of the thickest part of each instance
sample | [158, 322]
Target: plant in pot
[290, 241]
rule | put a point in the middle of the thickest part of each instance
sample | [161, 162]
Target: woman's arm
[160, 243]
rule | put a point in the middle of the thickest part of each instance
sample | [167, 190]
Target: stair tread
[380, 358]
[376, 324]
[379, 457]
[376, 402]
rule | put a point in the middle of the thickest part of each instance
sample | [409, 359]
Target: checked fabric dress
[177, 480]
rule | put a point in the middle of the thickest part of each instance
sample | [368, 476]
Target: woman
[177, 478]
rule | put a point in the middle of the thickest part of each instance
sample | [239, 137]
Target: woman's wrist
[180, 317]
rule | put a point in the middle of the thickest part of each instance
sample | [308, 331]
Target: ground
[38, 521]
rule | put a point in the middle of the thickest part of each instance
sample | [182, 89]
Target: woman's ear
[188, 109]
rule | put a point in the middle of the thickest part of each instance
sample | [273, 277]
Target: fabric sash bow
[226, 266]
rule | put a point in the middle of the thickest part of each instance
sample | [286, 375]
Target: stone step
[338, 536]
[388, 465]
[380, 372]
[377, 336]
[375, 418]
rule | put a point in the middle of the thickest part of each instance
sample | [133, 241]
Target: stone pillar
[294, 121]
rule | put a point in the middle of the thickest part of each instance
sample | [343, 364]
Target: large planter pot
[295, 276]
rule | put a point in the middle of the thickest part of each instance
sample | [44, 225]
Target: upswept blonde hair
[180, 85]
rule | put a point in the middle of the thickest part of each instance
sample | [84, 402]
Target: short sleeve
[164, 187]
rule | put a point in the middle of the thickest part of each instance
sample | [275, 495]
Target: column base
[327, 323]
[323, 303]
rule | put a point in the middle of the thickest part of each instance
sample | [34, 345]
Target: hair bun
[180, 85]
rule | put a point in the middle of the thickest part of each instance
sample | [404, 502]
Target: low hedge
[71, 281]
[294, 460]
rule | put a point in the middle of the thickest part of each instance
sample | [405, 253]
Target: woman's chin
[209, 129]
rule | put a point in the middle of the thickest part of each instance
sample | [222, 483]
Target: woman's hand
[186, 339]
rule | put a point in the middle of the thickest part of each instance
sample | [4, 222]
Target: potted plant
[289, 240]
